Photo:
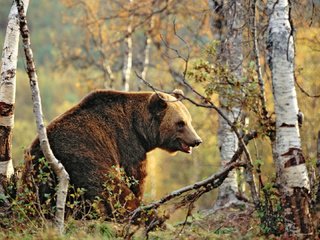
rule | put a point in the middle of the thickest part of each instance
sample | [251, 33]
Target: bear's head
[176, 131]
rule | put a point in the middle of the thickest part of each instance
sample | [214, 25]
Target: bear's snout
[191, 137]
[197, 142]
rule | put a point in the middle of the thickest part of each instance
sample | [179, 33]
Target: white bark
[9, 59]
[228, 144]
[147, 49]
[228, 141]
[6, 168]
[8, 84]
[146, 57]
[108, 71]
[281, 60]
[146, 52]
[291, 168]
[127, 61]
[57, 167]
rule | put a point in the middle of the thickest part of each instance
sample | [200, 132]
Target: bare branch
[304, 91]
[202, 187]
[253, 28]
[141, 23]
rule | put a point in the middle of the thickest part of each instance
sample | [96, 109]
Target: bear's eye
[181, 124]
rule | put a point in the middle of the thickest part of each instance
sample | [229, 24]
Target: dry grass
[229, 223]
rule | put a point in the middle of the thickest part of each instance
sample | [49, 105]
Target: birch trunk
[127, 61]
[8, 90]
[57, 167]
[146, 53]
[292, 173]
[108, 74]
[228, 143]
[228, 19]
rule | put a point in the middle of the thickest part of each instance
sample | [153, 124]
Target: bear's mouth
[185, 147]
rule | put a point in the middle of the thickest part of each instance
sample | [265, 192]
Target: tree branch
[304, 91]
[253, 28]
[201, 187]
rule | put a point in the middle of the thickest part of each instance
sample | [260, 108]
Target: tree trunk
[57, 167]
[226, 23]
[146, 54]
[127, 61]
[147, 47]
[108, 73]
[228, 143]
[292, 175]
[8, 90]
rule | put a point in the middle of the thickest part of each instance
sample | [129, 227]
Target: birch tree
[8, 89]
[226, 25]
[292, 175]
[146, 52]
[57, 167]
[127, 61]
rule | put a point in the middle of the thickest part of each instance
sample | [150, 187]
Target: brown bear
[108, 130]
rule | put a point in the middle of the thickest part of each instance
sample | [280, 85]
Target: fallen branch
[202, 187]
[57, 167]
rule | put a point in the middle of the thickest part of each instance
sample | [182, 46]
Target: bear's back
[89, 138]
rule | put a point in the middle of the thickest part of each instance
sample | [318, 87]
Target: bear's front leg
[120, 201]
[118, 198]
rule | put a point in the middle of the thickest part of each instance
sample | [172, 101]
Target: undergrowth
[25, 216]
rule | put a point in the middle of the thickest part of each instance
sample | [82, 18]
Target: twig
[190, 207]
[304, 91]
[262, 95]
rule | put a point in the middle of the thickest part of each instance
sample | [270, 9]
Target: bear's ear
[156, 103]
[178, 94]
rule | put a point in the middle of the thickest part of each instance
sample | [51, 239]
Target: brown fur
[109, 128]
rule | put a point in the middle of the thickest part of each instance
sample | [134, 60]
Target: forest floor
[224, 224]
[227, 223]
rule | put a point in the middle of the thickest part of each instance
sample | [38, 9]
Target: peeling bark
[57, 167]
[292, 172]
[8, 90]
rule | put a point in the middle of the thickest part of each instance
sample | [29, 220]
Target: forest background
[59, 37]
